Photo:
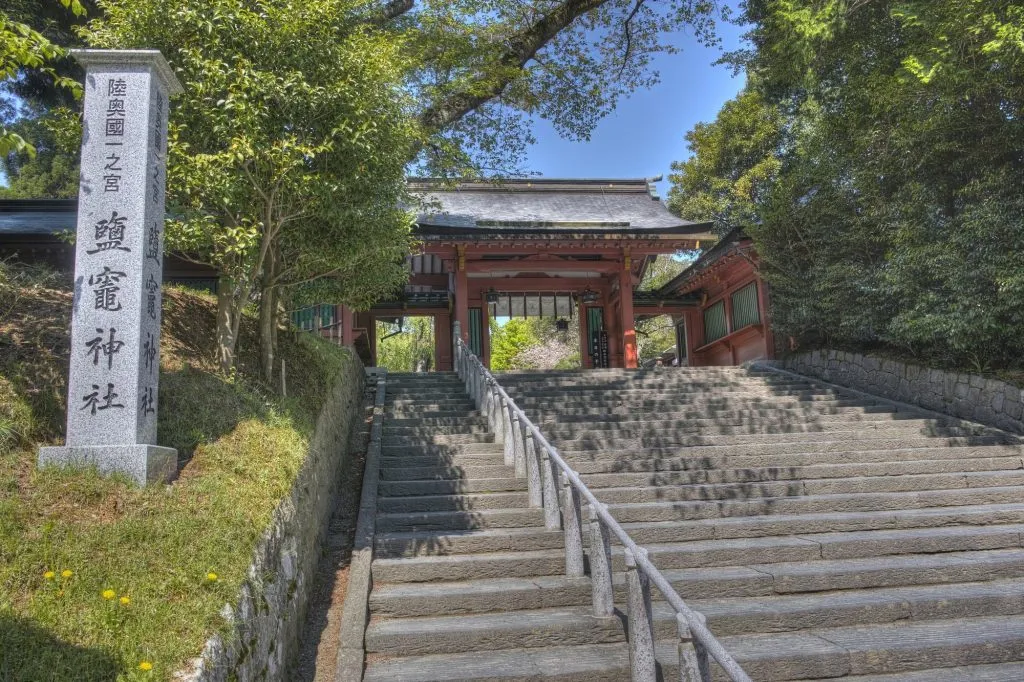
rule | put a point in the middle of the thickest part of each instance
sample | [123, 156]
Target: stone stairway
[822, 534]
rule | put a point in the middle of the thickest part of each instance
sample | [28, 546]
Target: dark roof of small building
[546, 205]
[37, 216]
[726, 245]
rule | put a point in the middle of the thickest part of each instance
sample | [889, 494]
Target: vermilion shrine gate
[536, 247]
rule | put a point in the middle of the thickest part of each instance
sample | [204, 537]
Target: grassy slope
[241, 449]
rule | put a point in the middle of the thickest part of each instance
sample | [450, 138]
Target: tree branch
[392, 10]
[629, 37]
[522, 46]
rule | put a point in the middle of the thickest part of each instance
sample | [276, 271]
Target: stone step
[464, 413]
[450, 487]
[439, 473]
[804, 454]
[792, 473]
[714, 414]
[392, 422]
[705, 553]
[393, 389]
[611, 384]
[467, 502]
[390, 438]
[434, 465]
[996, 672]
[857, 439]
[837, 451]
[406, 600]
[459, 520]
[719, 491]
[425, 432]
[853, 502]
[729, 616]
[429, 403]
[823, 653]
[435, 543]
[624, 472]
[419, 449]
[542, 411]
[658, 398]
[633, 389]
[662, 421]
[889, 438]
[807, 487]
[656, 430]
[512, 376]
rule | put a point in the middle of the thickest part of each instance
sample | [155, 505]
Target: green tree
[407, 346]
[734, 165]
[283, 127]
[509, 341]
[287, 154]
[893, 210]
[656, 334]
[52, 170]
[25, 50]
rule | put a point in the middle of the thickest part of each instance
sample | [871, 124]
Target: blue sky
[645, 134]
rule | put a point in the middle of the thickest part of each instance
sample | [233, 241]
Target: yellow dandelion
[109, 594]
[66, 573]
[211, 576]
[145, 665]
[125, 600]
[49, 575]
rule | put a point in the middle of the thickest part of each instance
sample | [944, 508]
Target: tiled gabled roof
[544, 205]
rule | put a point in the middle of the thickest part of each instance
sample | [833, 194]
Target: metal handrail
[527, 449]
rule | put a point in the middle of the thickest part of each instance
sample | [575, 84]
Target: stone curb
[355, 612]
[900, 406]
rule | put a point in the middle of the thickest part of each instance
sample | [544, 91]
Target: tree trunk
[269, 296]
[228, 313]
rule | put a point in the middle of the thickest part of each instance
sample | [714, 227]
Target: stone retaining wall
[967, 396]
[271, 608]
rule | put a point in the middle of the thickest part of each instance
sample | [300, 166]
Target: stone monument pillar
[115, 324]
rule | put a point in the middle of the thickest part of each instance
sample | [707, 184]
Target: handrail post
[533, 473]
[573, 531]
[694, 665]
[497, 424]
[456, 337]
[486, 397]
[549, 477]
[506, 426]
[517, 443]
[601, 590]
[641, 626]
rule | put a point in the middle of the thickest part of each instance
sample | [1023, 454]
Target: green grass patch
[98, 577]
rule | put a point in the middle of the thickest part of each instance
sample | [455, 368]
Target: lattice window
[745, 310]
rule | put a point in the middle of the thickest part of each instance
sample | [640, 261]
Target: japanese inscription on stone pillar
[115, 332]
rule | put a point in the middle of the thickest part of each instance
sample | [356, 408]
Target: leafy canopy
[291, 139]
[884, 142]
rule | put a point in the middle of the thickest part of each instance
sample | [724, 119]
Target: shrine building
[538, 247]
[556, 248]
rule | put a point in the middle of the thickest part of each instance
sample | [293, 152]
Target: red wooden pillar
[485, 336]
[766, 324]
[462, 293]
[612, 328]
[443, 342]
[629, 353]
[585, 361]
